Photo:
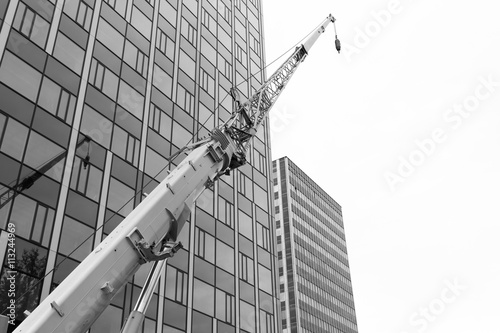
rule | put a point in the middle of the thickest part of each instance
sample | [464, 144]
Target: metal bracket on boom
[146, 251]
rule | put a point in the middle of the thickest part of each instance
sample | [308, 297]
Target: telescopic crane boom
[149, 232]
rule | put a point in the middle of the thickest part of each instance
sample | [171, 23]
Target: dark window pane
[174, 314]
[201, 323]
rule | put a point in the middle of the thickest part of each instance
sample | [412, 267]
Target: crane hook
[337, 44]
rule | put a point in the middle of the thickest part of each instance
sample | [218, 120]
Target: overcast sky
[403, 130]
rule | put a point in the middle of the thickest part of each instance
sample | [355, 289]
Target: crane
[149, 232]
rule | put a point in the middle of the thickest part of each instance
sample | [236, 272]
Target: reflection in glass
[120, 197]
[225, 256]
[108, 36]
[40, 150]
[69, 53]
[265, 281]
[18, 75]
[203, 297]
[174, 314]
[73, 235]
[247, 317]
[30, 267]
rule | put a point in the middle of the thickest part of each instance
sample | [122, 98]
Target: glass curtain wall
[142, 78]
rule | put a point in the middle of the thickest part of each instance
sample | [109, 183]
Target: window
[168, 12]
[40, 150]
[69, 53]
[262, 236]
[225, 38]
[13, 140]
[247, 316]
[254, 44]
[135, 58]
[155, 165]
[80, 12]
[208, 51]
[209, 22]
[119, 5]
[185, 99]
[103, 79]
[176, 285]
[224, 307]
[188, 31]
[266, 322]
[86, 179]
[165, 45]
[160, 121]
[240, 54]
[174, 314]
[110, 37]
[130, 99]
[265, 281]
[57, 100]
[225, 67]
[141, 22]
[246, 268]
[162, 81]
[207, 82]
[180, 136]
[76, 239]
[187, 64]
[32, 25]
[96, 126]
[226, 210]
[225, 257]
[18, 75]
[33, 221]
[245, 185]
[240, 29]
[225, 11]
[126, 146]
[203, 297]
[259, 162]
[120, 197]
[245, 223]
[260, 196]
[30, 267]
[204, 245]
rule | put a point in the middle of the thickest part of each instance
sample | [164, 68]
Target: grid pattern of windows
[316, 290]
[140, 81]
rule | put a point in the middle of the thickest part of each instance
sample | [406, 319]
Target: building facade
[315, 283]
[141, 78]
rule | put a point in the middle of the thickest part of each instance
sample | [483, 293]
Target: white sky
[349, 121]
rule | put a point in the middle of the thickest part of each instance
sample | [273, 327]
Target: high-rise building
[142, 78]
[315, 283]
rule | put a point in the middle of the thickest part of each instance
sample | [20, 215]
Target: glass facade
[315, 284]
[142, 78]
